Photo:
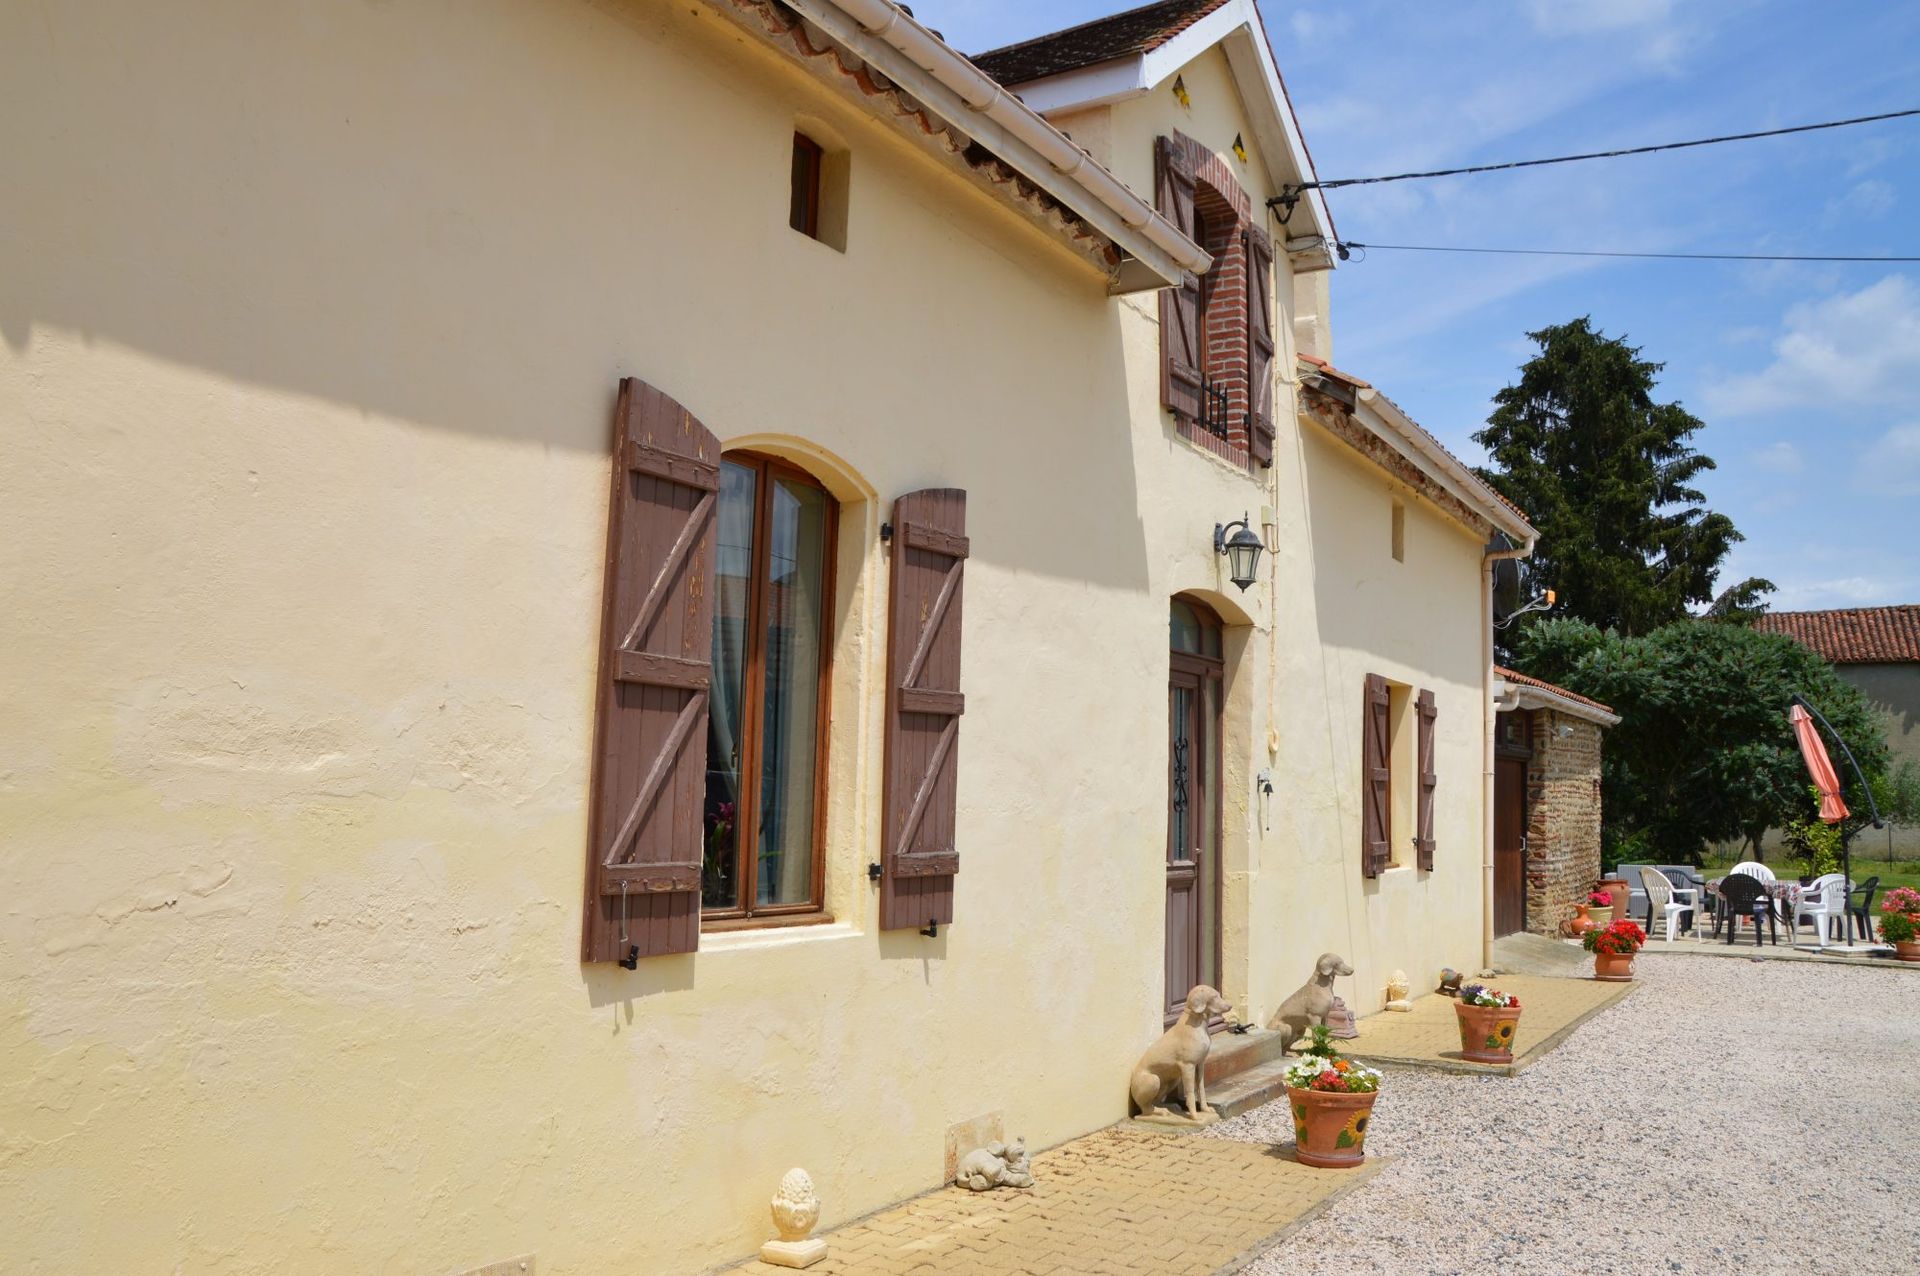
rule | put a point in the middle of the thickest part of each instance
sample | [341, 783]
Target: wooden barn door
[1509, 845]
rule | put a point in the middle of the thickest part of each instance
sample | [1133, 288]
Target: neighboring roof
[873, 52]
[1853, 635]
[1131, 54]
[1546, 695]
[1434, 459]
[1139, 30]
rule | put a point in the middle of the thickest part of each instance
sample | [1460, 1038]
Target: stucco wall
[313, 321]
[1563, 817]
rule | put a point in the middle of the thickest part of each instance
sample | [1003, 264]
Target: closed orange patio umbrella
[1832, 808]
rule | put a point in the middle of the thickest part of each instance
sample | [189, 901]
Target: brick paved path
[1120, 1202]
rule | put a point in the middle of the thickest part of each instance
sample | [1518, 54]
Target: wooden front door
[1509, 845]
[1193, 809]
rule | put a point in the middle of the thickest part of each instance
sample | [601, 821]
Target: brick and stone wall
[1563, 817]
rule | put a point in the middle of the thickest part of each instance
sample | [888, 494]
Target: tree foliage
[1703, 751]
[1606, 474]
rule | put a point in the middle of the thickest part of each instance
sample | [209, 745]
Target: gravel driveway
[1730, 1116]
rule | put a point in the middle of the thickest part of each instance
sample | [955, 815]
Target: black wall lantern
[1242, 549]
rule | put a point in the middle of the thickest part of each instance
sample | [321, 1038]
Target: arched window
[766, 738]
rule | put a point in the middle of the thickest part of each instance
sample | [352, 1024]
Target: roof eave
[1527, 696]
[1276, 132]
[1411, 439]
[962, 95]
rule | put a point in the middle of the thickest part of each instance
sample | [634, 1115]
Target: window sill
[762, 935]
[1231, 455]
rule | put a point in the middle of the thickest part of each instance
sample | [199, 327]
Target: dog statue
[1309, 1006]
[1449, 982]
[1179, 1059]
[995, 1165]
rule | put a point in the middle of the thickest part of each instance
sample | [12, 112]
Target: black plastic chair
[1743, 896]
[1860, 904]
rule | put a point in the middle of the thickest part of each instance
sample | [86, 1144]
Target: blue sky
[1807, 376]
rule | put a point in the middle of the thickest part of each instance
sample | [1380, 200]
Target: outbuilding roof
[1853, 635]
[1118, 35]
[1538, 684]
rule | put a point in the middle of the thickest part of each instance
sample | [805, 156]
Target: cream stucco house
[607, 597]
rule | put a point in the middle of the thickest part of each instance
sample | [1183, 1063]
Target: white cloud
[1838, 591]
[1311, 27]
[1891, 463]
[1859, 349]
[1584, 17]
[1779, 458]
[1863, 200]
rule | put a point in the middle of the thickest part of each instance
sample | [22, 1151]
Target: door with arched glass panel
[1193, 803]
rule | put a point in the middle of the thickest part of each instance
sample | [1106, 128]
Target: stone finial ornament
[795, 1211]
[995, 1165]
[1309, 1006]
[1397, 990]
[1178, 1061]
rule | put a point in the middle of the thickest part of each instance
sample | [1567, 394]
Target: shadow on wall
[384, 210]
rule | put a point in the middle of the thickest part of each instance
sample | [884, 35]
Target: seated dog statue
[995, 1165]
[1178, 1060]
[1308, 1007]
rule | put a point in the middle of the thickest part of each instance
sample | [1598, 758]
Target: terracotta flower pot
[1329, 1127]
[1907, 949]
[1614, 968]
[1582, 922]
[1486, 1032]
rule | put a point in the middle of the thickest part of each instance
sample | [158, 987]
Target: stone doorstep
[1235, 1052]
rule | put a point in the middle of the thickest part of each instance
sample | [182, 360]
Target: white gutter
[966, 97]
[1487, 559]
[1525, 696]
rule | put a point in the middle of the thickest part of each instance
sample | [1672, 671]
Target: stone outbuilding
[1546, 849]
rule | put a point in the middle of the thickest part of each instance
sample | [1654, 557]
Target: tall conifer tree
[1606, 474]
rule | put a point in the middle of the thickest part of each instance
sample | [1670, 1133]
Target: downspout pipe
[1496, 551]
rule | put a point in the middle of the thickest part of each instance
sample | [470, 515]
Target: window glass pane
[796, 603]
[733, 585]
[1180, 781]
[1209, 832]
[1186, 629]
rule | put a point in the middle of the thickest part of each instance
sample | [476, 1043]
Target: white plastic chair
[1825, 902]
[1668, 900]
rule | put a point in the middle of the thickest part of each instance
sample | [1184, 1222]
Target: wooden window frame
[803, 207]
[748, 914]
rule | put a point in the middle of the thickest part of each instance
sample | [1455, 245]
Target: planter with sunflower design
[1489, 1019]
[1332, 1103]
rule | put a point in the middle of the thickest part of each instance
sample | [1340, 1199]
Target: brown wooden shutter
[1423, 839]
[649, 765]
[924, 705]
[1260, 345]
[1376, 762]
[1180, 311]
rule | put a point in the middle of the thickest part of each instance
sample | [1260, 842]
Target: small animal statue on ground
[1449, 982]
[1307, 1008]
[995, 1165]
[1178, 1060]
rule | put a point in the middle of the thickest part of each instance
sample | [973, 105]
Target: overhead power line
[1290, 195]
[1346, 247]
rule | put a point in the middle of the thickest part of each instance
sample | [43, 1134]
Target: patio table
[1784, 894]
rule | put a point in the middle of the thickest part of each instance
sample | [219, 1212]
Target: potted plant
[1900, 922]
[1613, 948]
[1601, 904]
[1488, 1020]
[1332, 1101]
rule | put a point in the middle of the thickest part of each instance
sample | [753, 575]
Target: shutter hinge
[886, 532]
[873, 872]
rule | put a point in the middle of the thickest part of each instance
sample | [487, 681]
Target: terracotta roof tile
[1853, 635]
[1120, 35]
[1514, 675]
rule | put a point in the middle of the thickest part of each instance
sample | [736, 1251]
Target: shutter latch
[873, 872]
[886, 532]
[932, 929]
